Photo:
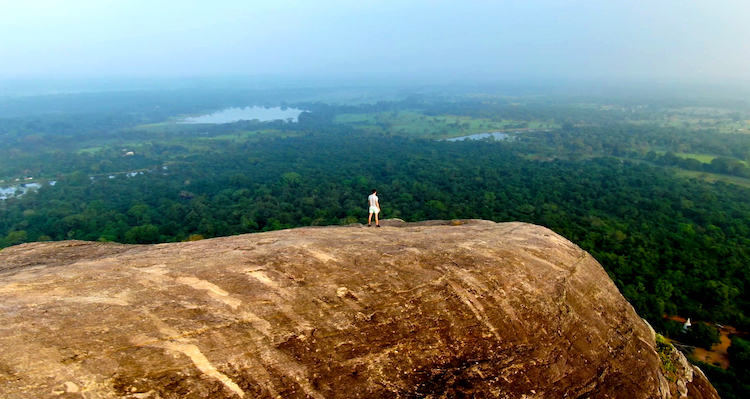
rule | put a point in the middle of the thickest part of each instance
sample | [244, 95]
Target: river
[8, 192]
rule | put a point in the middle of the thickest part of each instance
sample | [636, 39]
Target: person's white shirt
[373, 200]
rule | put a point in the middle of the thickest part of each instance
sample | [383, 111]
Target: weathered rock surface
[431, 310]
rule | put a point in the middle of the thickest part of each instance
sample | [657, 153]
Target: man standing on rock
[374, 208]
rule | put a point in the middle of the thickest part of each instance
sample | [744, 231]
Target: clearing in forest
[415, 124]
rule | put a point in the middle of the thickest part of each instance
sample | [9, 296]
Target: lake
[480, 136]
[7, 192]
[262, 114]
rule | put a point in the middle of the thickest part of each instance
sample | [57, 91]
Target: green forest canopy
[672, 245]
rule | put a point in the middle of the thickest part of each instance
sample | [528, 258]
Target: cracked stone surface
[422, 310]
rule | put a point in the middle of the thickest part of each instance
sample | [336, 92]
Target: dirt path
[718, 355]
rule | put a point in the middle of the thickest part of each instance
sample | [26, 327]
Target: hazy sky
[703, 40]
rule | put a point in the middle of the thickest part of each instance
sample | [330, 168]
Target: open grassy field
[705, 176]
[703, 158]
[415, 124]
[692, 118]
[713, 177]
[94, 146]
[192, 136]
[245, 135]
[721, 120]
[171, 127]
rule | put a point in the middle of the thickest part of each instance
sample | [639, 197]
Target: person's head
[374, 191]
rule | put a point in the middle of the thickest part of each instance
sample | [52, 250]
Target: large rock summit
[429, 310]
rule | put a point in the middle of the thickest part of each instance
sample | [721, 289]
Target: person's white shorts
[374, 209]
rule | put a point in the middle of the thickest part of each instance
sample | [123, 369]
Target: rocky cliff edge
[430, 310]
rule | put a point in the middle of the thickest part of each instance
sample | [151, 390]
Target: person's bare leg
[369, 219]
[377, 223]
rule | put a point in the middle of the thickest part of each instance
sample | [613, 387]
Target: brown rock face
[432, 310]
